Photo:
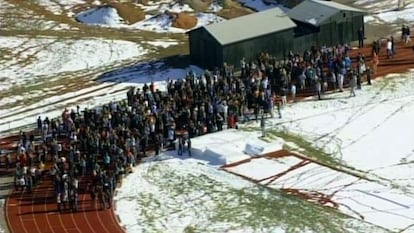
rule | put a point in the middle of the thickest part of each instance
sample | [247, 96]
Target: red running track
[37, 212]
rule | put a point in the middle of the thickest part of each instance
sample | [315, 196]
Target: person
[73, 193]
[39, 125]
[352, 83]
[9, 161]
[293, 91]
[82, 166]
[158, 143]
[403, 33]
[407, 36]
[189, 146]
[318, 87]
[243, 67]
[389, 49]
[332, 76]
[279, 110]
[369, 74]
[361, 73]
[361, 37]
[283, 96]
[393, 49]
[375, 62]
[180, 145]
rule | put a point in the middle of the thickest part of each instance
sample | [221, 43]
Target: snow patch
[163, 44]
[175, 7]
[312, 21]
[104, 15]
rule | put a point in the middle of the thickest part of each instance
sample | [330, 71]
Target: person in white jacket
[293, 91]
[389, 49]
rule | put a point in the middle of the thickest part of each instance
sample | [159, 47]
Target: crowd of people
[98, 146]
[318, 69]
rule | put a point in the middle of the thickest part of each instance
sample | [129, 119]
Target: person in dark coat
[189, 146]
[158, 143]
[361, 37]
[369, 74]
[180, 145]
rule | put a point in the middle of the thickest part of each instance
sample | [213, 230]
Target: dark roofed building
[228, 41]
[325, 23]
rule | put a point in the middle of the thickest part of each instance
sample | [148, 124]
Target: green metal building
[270, 31]
[325, 23]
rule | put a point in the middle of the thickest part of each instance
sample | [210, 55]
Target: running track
[36, 212]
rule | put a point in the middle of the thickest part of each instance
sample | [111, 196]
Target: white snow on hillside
[207, 18]
[386, 11]
[162, 22]
[215, 7]
[31, 58]
[158, 23]
[174, 7]
[163, 44]
[58, 6]
[104, 15]
[407, 14]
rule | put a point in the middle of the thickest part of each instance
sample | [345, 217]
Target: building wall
[205, 51]
[339, 29]
[276, 44]
[305, 42]
[346, 24]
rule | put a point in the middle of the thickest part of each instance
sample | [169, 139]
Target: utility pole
[263, 125]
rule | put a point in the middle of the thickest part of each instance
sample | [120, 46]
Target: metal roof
[250, 26]
[315, 12]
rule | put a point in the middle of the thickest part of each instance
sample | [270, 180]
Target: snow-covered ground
[161, 22]
[381, 12]
[370, 132]
[102, 15]
[30, 59]
[49, 63]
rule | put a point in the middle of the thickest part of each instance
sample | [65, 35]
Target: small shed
[247, 36]
[325, 23]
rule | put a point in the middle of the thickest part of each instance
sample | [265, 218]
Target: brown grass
[233, 9]
[184, 21]
[198, 5]
[129, 11]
